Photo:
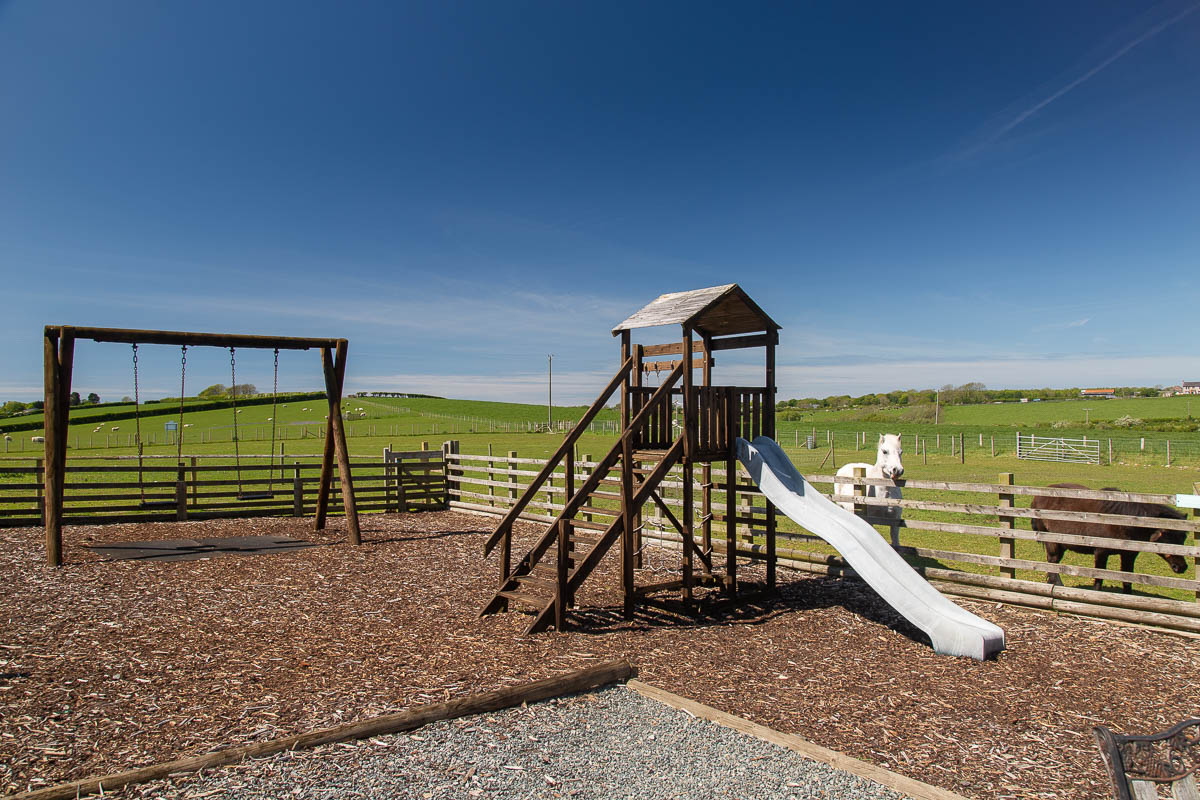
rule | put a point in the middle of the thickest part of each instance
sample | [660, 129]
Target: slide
[954, 630]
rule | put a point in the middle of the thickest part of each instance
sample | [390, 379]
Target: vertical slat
[560, 584]
[297, 491]
[731, 504]
[627, 513]
[769, 430]
[181, 511]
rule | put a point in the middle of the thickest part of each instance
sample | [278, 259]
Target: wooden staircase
[570, 548]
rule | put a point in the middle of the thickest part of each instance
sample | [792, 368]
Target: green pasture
[410, 423]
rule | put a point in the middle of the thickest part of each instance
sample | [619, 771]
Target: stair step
[534, 601]
[649, 455]
[591, 526]
[607, 512]
[544, 583]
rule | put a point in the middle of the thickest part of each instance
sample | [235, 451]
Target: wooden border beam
[570, 683]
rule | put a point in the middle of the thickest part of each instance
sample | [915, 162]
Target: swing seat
[158, 504]
[256, 495]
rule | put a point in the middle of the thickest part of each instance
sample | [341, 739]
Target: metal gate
[1058, 448]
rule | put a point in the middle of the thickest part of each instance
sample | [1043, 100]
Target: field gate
[1058, 448]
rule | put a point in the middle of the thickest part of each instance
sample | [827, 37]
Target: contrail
[1150, 33]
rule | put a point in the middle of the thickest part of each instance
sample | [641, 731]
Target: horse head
[887, 457]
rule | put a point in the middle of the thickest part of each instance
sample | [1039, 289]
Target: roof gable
[715, 311]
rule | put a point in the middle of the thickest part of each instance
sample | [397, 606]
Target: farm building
[1190, 387]
[1097, 392]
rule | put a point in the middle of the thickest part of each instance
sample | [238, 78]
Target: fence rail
[987, 556]
[964, 537]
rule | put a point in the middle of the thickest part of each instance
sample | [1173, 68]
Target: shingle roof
[715, 311]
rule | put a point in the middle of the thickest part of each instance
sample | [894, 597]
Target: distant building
[1171, 391]
[1190, 387]
[1098, 392]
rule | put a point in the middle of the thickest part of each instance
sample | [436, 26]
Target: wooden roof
[715, 311]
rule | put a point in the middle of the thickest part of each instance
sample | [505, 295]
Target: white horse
[887, 465]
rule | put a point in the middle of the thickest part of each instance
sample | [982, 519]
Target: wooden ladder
[569, 549]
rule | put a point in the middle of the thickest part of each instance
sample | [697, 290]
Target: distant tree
[216, 390]
[243, 390]
[75, 399]
[93, 398]
[126, 399]
[37, 405]
[12, 407]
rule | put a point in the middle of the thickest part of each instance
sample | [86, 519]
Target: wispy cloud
[1066, 84]
[1062, 326]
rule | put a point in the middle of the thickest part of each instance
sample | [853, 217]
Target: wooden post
[58, 355]
[860, 490]
[195, 483]
[962, 448]
[586, 458]
[627, 525]
[706, 509]
[389, 481]
[560, 585]
[993, 447]
[639, 355]
[491, 489]
[687, 473]
[1196, 541]
[1110, 452]
[769, 430]
[297, 491]
[924, 455]
[335, 374]
[181, 510]
[730, 583]
[506, 542]
[1007, 543]
[39, 472]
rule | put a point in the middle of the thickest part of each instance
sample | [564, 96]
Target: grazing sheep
[115, 428]
[37, 438]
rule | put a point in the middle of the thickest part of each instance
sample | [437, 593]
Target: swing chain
[274, 414]
[137, 423]
[237, 459]
[182, 386]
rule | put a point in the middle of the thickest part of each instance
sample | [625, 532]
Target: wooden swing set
[59, 360]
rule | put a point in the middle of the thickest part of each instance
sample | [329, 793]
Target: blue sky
[920, 194]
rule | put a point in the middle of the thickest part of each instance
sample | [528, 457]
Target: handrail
[563, 449]
[572, 505]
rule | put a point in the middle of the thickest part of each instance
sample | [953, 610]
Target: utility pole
[550, 392]
[937, 405]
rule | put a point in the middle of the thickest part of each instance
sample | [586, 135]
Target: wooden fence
[968, 539]
[208, 487]
[965, 538]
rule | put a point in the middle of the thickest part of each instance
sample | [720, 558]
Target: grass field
[500, 428]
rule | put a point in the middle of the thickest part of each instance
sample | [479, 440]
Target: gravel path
[606, 744]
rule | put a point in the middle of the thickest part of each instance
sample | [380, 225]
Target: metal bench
[1139, 765]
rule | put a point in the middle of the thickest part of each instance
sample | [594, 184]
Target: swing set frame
[59, 351]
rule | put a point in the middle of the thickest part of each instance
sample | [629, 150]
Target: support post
[1196, 541]
[860, 490]
[730, 582]
[769, 430]
[627, 555]
[506, 545]
[569, 485]
[58, 353]
[335, 374]
[689, 439]
[560, 584]
[1007, 543]
[636, 383]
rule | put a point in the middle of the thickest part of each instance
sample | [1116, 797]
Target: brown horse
[1055, 551]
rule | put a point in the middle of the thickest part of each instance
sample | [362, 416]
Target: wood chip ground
[106, 665]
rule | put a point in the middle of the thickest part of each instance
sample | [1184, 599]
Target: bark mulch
[105, 665]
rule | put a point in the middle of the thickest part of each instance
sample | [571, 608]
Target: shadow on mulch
[754, 605]
[194, 549]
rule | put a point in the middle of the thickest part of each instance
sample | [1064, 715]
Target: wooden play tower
[681, 421]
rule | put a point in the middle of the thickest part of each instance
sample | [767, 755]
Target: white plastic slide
[954, 630]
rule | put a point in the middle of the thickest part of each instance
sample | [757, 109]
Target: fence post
[491, 489]
[993, 447]
[924, 453]
[962, 448]
[1007, 543]
[297, 491]
[195, 488]
[1168, 452]
[181, 494]
[41, 482]
[1110, 452]
[389, 483]
[860, 490]
[506, 542]
[1196, 540]
[586, 474]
